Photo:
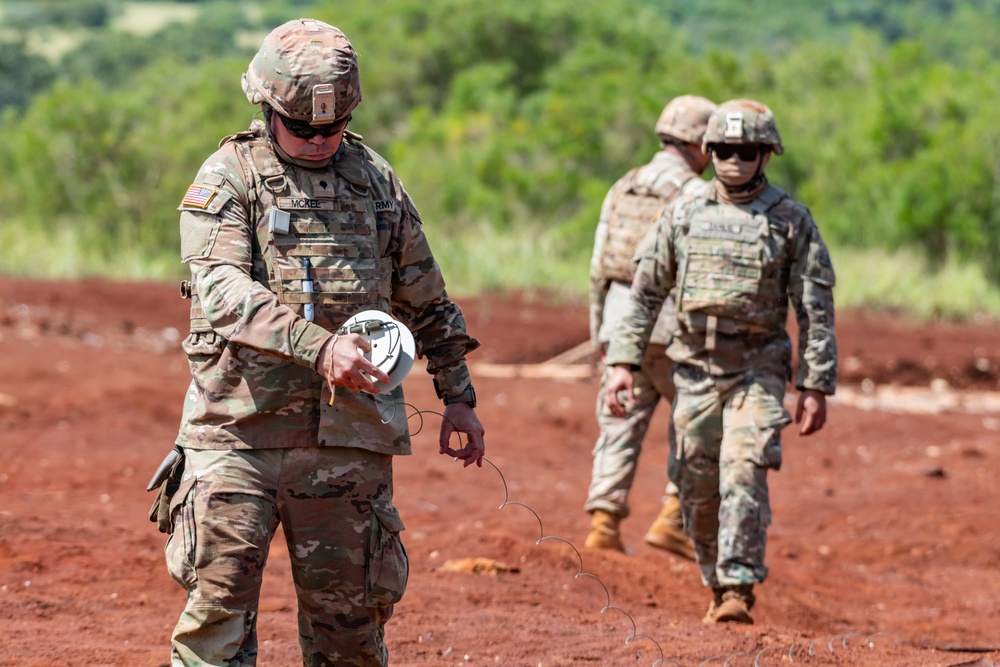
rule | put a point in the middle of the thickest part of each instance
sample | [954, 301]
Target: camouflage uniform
[735, 267]
[263, 442]
[629, 210]
[617, 450]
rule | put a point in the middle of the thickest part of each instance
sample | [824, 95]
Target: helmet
[743, 122]
[307, 70]
[685, 118]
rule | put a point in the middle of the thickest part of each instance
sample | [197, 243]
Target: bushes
[519, 116]
[63, 13]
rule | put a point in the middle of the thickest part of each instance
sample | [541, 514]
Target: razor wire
[801, 649]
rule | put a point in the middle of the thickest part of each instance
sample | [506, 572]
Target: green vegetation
[904, 281]
[509, 121]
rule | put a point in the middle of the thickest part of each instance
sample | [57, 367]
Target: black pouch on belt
[166, 480]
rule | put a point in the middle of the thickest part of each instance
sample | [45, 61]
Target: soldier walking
[736, 254]
[634, 202]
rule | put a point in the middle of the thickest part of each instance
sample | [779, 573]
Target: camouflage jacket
[735, 268]
[248, 224]
[629, 210]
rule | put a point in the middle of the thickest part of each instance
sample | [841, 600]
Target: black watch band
[467, 396]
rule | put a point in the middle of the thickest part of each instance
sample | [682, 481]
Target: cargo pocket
[768, 418]
[769, 448]
[180, 547]
[388, 564]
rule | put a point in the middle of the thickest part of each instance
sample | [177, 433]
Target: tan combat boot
[604, 532]
[667, 531]
[731, 604]
[713, 606]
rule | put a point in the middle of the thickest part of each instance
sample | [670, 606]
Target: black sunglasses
[746, 152]
[303, 130]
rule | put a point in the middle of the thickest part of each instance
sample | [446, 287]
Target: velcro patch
[198, 195]
[734, 125]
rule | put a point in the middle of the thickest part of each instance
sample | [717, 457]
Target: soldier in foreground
[630, 208]
[736, 254]
[289, 229]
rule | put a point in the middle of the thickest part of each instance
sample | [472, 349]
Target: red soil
[885, 548]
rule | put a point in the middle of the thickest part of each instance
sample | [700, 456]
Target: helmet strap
[268, 115]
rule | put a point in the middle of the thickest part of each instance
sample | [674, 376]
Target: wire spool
[392, 346]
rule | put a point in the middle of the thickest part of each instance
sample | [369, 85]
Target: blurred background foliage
[508, 122]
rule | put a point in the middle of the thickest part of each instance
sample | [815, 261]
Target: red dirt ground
[885, 548]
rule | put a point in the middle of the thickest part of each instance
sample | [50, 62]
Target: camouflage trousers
[348, 564]
[727, 432]
[617, 450]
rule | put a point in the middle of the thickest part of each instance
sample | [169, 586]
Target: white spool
[392, 346]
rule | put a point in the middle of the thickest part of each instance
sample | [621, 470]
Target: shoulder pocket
[198, 232]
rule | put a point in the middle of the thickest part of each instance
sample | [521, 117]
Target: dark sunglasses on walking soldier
[745, 152]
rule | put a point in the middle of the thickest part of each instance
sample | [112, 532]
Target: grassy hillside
[509, 121]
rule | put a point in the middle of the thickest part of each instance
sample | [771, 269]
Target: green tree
[22, 75]
[109, 167]
[115, 58]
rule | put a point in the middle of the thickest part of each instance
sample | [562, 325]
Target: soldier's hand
[811, 405]
[342, 362]
[618, 389]
[461, 418]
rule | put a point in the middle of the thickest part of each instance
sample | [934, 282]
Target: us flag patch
[198, 195]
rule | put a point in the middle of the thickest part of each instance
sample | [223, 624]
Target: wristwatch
[467, 396]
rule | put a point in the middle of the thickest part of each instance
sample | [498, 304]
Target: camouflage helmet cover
[685, 118]
[743, 122]
[307, 70]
